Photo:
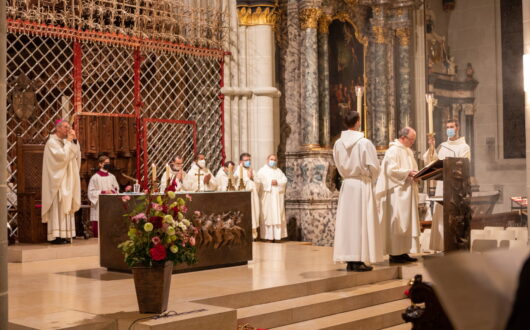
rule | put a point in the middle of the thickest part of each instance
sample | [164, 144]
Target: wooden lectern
[454, 172]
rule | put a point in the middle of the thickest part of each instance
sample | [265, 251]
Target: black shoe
[65, 241]
[397, 259]
[349, 266]
[361, 267]
[408, 258]
[57, 240]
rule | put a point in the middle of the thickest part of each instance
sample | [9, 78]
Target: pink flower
[165, 226]
[126, 198]
[155, 240]
[183, 209]
[188, 196]
[197, 213]
[138, 217]
[157, 207]
[128, 188]
[146, 191]
[192, 241]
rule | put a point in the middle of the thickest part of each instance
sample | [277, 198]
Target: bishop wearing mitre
[455, 146]
[173, 178]
[397, 198]
[244, 171]
[61, 187]
[199, 177]
[272, 196]
[102, 182]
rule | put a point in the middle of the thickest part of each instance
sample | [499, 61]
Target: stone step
[283, 292]
[403, 326]
[373, 317]
[309, 307]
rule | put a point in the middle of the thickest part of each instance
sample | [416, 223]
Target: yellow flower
[170, 231]
[148, 227]
[171, 194]
[173, 237]
[168, 218]
[174, 249]
[132, 232]
[186, 222]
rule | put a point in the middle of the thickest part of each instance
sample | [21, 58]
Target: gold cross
[198, 175]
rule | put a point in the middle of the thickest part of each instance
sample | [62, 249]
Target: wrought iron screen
[173, 90]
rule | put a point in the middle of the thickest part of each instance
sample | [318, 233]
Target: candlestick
[429, 97]
[168, 175]
[153, 172]
[359, 91]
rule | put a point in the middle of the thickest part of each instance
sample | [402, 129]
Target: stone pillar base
[311, 197]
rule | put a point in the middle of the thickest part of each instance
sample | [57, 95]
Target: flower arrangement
[158, 231]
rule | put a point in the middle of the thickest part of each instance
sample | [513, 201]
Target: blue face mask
[246, 163]
[272, 163]
[451, 132]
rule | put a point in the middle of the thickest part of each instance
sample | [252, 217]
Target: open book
[432, 171]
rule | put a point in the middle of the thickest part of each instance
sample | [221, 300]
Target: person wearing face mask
[199, 177]
[103, 182]
[245, 171]
[455, 146]
[223, 176]
[397, 197]
[272, 195]
[176, 176]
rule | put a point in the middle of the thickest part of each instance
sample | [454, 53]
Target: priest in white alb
[397, 198]
[102, 182]
[199, 177]
[455, 146]
[244, 170]
[357, 228]
[223, 176]
[272, 196]
[61, 187]
[173, 177]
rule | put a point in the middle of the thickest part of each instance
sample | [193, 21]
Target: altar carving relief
[217, 230]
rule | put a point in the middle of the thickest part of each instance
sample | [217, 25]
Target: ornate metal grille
[111, 74]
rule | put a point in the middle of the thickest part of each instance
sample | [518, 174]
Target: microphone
[454, 153]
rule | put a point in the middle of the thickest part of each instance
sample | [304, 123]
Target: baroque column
[380, 134]
[323, 79]
[309, 15]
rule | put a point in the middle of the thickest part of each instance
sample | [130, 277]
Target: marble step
[283, 292]
[373, 317]
[403, 326]
[309, 307]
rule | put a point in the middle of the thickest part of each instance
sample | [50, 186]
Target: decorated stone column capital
[309, 18]
[257, 14]
[323, 23]
[403, 34]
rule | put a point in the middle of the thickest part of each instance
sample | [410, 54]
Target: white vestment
[251, 186]
[61, 187]
[97, 184]
[172, 176]
[397, 200]
[272, 206]
[357, 228]
[191, 181]
[222, 180]
[457, 148]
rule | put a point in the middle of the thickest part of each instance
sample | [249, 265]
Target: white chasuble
[272, 206]
[457, 148]
[251, 186]
[102, 182]
[357, 228]
[194, 180]
[222, 180]
[397, 200]
[173, 181]
[61, 187]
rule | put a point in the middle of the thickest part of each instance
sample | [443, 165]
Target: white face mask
[201, 163]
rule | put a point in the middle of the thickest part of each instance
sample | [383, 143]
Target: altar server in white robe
[272, 196]
[357, 229]
[199, 177]
[397, 198]
[455, 146]
[102, 182]
[245, 171]
[223, 176]
[176, 175]
[61, 188]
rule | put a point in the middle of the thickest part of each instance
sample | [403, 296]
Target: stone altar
[216, 251]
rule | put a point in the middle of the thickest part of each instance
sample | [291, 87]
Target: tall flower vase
[152, 287]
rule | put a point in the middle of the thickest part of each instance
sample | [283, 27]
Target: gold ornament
[403, 35]
[323, 23]
[309, 18]
[257, 15]
[379, 34]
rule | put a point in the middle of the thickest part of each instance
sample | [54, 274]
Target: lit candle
[359, 90]
[429, 97]
[153, 171]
